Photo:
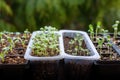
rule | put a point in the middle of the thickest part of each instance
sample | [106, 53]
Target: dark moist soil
[68, 47]
[16, 56]
[107, 53]
[14, 60]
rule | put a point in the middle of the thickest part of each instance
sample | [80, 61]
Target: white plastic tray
[93, 52]
[28, 55]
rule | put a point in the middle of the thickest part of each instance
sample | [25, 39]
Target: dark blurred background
[17, 15]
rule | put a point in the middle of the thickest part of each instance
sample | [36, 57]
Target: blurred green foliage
[17, 15]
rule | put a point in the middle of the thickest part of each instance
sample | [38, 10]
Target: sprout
[19, 40]
[11, 42]
[97, 28]
[104, 32]
[100, 43]
[48, 28]
[17, 34]
[76, 45]
[91, 30]
[8, 41]
[115, 27]
[46, 42]
[26, 34]
[2, 55]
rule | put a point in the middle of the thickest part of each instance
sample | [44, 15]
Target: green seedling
[17, 34]
[104, 32]
[91, 31]
[2, 56]
[8, 41]
[3, 53]
[26, 34]
[11, 42]
[98, 27]
[108, 43]
[100, 43]
[76, 45]
[46, 43]
[19, 40]
[48, 28]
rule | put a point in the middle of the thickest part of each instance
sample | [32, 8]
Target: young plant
[100, 43]
[46, 42]
[115, 27]
[91, 31]
[97, 28]
[3, 53]
[76, 46]
[26, 34]
[18, 40]
[108, 43]
[104, 32]
[11, 42]
[8, 43]
[2, 56]
[17, 34]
